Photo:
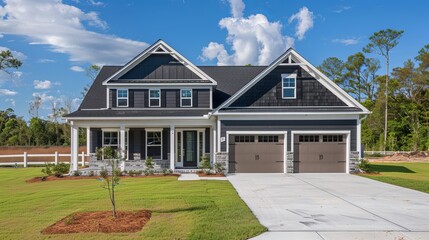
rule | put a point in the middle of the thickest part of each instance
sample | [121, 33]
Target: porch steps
[186, 170]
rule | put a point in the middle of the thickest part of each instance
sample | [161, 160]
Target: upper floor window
[122, 98]
[154, 98]
[288, 86]
[186, 98]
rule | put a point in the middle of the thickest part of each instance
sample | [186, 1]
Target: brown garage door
[319, 153]
[256, 154]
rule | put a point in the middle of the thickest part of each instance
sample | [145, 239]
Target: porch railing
[25, 159]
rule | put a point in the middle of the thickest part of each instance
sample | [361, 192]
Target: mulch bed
[53, 178]
[125, 221]
[211, 175]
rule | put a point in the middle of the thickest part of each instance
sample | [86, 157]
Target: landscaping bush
[56, 170]
[167, 171]
[77, 173]
[218, 167]
[205, 164]
[364, 166]
[149, 166]
[91, 173]
[133, 173]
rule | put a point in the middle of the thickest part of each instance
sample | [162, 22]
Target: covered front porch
[174, 146]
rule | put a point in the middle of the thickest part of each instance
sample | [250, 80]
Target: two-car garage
[266, 153]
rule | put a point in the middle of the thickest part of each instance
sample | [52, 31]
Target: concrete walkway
[333, 206]
[195, 177]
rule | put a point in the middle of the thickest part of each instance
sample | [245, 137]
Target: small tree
[111, 179]
[149, 166]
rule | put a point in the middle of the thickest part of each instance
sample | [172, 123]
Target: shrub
[205, 164]
[56, 170]
[133, 173]
[148, 172]
[364, 166]
[167, 171]
[149, 163]
[91, 173]
[218, 167]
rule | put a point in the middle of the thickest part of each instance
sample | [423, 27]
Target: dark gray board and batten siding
[170, 98]
[289, 125]
[159, 66]
[268, 91]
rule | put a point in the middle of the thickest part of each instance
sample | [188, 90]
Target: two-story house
[286, 117]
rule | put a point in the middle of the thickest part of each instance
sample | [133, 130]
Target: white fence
[385, 153]
[25, 156]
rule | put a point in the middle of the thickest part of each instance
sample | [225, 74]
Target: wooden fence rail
[25, 156]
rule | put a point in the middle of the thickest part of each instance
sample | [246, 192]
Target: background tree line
[16, 131]
[399, 100]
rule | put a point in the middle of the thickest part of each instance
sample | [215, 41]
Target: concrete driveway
[333, 206]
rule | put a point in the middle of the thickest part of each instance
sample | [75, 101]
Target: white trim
[151, 98]
[148, 51]
[198, 130]
[319, 76]
[211, 98]
[358, 135]
[160, 145]
[161, 84]
[117, 97]
[107, 97]
[184, 98]
[173, 146]
[286, 113]
[88, 140]
[293, 76]
[218, 136]
[284, 133]
[348, 139]
[138, 118]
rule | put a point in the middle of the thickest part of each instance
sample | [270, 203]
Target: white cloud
[14, 77]
[45, 97]
[45, 60]
[237, 8]
[77, 69]
[342, 9]
[63, 28]
[11, 101]
[254, 39]
[42, 84]
[7, 92]
[346, 41]
[1, 35]
[96, 3]
[305, 19]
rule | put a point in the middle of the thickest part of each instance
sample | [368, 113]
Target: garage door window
[332, 138]
[244, 138]
[309, 138]
[268, 138]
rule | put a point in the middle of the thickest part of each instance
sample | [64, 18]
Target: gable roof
[230, 79]
[159, 47]
[293, 58]
[95, 98]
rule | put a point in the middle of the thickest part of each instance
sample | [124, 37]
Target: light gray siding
[289, 125]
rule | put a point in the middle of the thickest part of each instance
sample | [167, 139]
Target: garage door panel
[256, 157]
[319, 156]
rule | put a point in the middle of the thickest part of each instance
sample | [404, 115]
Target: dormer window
[186, 98]
[154, 98]
[288, 86]
[122, 98]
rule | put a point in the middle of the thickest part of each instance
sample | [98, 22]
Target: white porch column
[74, 144]
[122, 141]
[213, 145]
[172, 146]
[88, 140]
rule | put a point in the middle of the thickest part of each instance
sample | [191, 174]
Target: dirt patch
[126, 221]
[54, 178]
[403, 157]
[211, 175]
[37, 150]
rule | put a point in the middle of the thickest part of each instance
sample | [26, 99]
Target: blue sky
[57, 40]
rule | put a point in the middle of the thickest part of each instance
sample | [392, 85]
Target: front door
[190, 148]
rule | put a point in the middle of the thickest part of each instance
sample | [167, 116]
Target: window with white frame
[288, 86]
[186, 98]
[154, 144]
[154, 98]
[122, 98]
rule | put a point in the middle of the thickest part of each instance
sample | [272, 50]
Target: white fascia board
[266, 114]
[323, 79]
[159, 84]
[254, 80]
[170, 51]
[135, 118]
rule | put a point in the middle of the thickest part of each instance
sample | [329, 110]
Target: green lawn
[409, 175]
[181, 210]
